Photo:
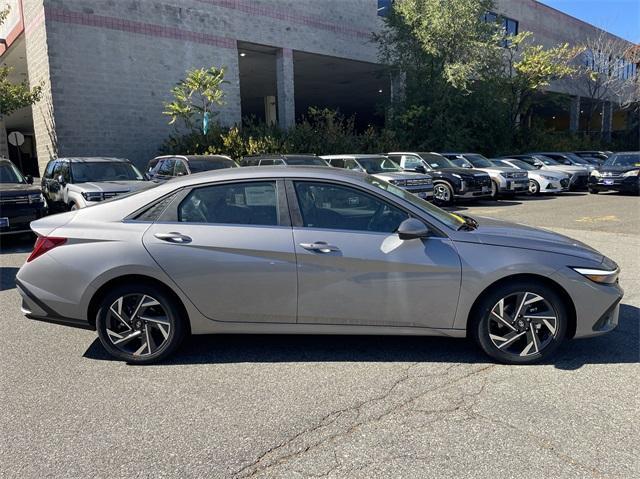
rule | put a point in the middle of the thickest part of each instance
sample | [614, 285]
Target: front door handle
[320, 246]
[173, 237]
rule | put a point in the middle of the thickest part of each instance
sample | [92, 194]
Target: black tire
[73, 207]
[534, 187]
[175, 329]
[481, 324]
[442, 193]
[593, 191]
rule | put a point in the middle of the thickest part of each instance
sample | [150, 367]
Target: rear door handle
[173, 237]
[320, 246]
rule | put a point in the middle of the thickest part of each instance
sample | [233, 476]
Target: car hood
[514, 235]
[558, 175]
[110, 186]
[8, 190]
[617, 168]
[566, 168]
[400, 175]
[500, 169]
[465, 172]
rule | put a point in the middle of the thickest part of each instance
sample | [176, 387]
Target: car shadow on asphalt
[618, 347]
[8, 277]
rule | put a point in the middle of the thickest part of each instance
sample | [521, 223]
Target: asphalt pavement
[336, 407]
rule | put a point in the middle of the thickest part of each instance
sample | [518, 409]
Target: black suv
[166, 167]
[621, 172]
[283, 160]
[449, 181]
[20, 201]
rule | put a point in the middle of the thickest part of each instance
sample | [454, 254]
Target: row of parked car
[72, 183]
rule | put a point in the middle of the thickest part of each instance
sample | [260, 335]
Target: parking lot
[292, 406]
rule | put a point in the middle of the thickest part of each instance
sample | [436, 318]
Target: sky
[621, 17]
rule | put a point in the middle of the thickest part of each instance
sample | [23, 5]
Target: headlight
[632, 173]
[455, 175]
[550, 178]
[93, 196]
[36, 198]
[506, 175]
[595, 173]
[602, 276]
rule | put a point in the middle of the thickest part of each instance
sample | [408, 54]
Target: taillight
[44, 244]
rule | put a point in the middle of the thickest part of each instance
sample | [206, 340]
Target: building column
[607, 120]
[574, 114]
[4, 144]
[285, 88]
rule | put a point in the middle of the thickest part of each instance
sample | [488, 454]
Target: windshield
[302, 161]
[104, 171]
[624, 159]
[10, 174]
[378, 164]
[546, 160]
[478, 161]
[451, 220]
[461, 163]
[523, 165]
[197, 166]
[436, 161]
[577, 159]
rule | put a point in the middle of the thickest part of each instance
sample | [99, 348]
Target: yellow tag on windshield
[458, 217]
[637, 164]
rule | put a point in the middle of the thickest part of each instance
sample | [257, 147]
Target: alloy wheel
[522, 324]
[137, 324]
[442, 193]
[533, 187]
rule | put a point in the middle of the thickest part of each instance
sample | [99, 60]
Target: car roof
[275, 156]
[195, 157]
[92, 159]
[414, 153]
[354, 156]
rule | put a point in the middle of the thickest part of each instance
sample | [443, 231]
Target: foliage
[196, 96]
[14, 96]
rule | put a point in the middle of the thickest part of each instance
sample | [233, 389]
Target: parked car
[504, 180]
[601, 156]
[72, 183]
[164, 168]
[579, 175]
[310, 250]
[621, 172]
[539, 181]
[20, 201]
[283, 160]
[382, 167]
[569, 159]
[449, 181]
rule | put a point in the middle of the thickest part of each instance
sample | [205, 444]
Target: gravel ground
[278, 406]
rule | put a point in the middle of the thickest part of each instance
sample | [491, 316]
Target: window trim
[296, 214]
[170, 213]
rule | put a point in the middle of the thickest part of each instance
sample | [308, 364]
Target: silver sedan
[304, 250]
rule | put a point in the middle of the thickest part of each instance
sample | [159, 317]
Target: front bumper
[630, 184]
[19, 217]
[512, 186]
[423, 191]
[579, 181]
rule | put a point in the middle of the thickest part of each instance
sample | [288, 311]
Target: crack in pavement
[256, 466]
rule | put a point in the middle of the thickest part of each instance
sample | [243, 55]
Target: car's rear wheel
[520, 323]
[139, 323]
[443, 193]
[534, 187]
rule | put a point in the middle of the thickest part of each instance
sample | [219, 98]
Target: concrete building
[107, 66]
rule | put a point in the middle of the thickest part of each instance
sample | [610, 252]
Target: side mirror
[29, 179]
[420, 169]
[412, 228]
[60, 179]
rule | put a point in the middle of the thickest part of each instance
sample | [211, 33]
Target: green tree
[196, 96]
[14, 96]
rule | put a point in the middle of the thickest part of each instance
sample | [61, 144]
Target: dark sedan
[621, 172]
[20, 201]
[166, 167]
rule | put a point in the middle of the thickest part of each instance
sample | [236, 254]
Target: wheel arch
[94, 303]
[571, 309]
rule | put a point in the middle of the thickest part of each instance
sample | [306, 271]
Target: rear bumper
[34, 308]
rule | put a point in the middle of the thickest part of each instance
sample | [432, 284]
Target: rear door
[229, 247]
[354, 270]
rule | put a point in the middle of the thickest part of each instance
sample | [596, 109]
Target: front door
[354, 270]
[229, 247]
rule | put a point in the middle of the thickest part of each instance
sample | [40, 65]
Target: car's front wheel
[534, 187]
[443, 193]
[593, 191]
[139, 323]
[520, 323]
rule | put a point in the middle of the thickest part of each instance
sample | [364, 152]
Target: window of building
[509, 25]
[384, 7]
[253, 203]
